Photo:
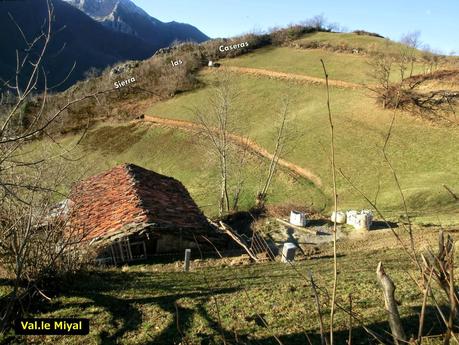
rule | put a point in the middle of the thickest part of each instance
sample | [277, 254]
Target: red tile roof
[128, 199]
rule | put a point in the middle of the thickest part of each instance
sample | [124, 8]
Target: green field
[230, 300]
[307, 62]
[178, 154]
[424, 155]
[158, 304]
[340, 65]
[366, 42]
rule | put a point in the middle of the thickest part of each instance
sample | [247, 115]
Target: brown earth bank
[240, 141]
[288, 76]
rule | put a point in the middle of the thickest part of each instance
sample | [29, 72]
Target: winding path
[245, 142]
[287, 76]
[240, 141]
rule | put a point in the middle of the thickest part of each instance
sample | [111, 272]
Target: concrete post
[186, 266]
[288, 252]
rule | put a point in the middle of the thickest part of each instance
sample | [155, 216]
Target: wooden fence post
[186, 266]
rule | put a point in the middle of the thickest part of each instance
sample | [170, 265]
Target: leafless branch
[335, 201]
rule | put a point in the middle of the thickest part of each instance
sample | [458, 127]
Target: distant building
[131, 213]
[213, 64]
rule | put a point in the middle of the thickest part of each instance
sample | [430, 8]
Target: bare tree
[283, 136]
[430, 59]
[318, 22]
[34, 236]
[381, 69]
[239, 172]
[218, 122]
[14, 137]
[405, 92]
[411, 43]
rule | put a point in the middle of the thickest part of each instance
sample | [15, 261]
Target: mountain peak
[105, 9]
[95, 8]
[125, 16]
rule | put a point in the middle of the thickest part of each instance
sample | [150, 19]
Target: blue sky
[438, 21]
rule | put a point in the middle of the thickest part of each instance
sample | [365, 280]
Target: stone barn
[131, 213]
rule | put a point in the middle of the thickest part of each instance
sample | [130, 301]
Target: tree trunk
[221, 204]
[391, 306]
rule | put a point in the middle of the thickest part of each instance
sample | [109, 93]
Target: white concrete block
[288, 252]
[298, 218]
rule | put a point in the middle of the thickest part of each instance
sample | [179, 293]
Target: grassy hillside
[178, 154]
[341, 65]
[424, 155]
[154, 303]
[366, 43]
[144, 304]
[306, 62]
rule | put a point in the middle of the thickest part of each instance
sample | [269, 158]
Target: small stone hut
[131, 213]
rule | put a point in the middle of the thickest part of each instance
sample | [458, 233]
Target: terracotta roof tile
[129, 196]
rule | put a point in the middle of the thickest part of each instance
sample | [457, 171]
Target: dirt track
[240, 141]
[288, 76]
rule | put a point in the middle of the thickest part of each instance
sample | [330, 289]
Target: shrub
[282, 36]
[366, 33]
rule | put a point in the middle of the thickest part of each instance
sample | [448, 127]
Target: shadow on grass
[179, 257]
[98, 292]
[359, 336]
[126, 317]
[380, 225]
[319, 223]
[7, 282]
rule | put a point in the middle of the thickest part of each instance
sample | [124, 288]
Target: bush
[342, 47]
[211, 49]
[366, 33]
[281, 37]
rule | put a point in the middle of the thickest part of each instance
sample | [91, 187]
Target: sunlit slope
[135, 305]
[363, 43]
[424, 156]
[341, 65]
[178, 154]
